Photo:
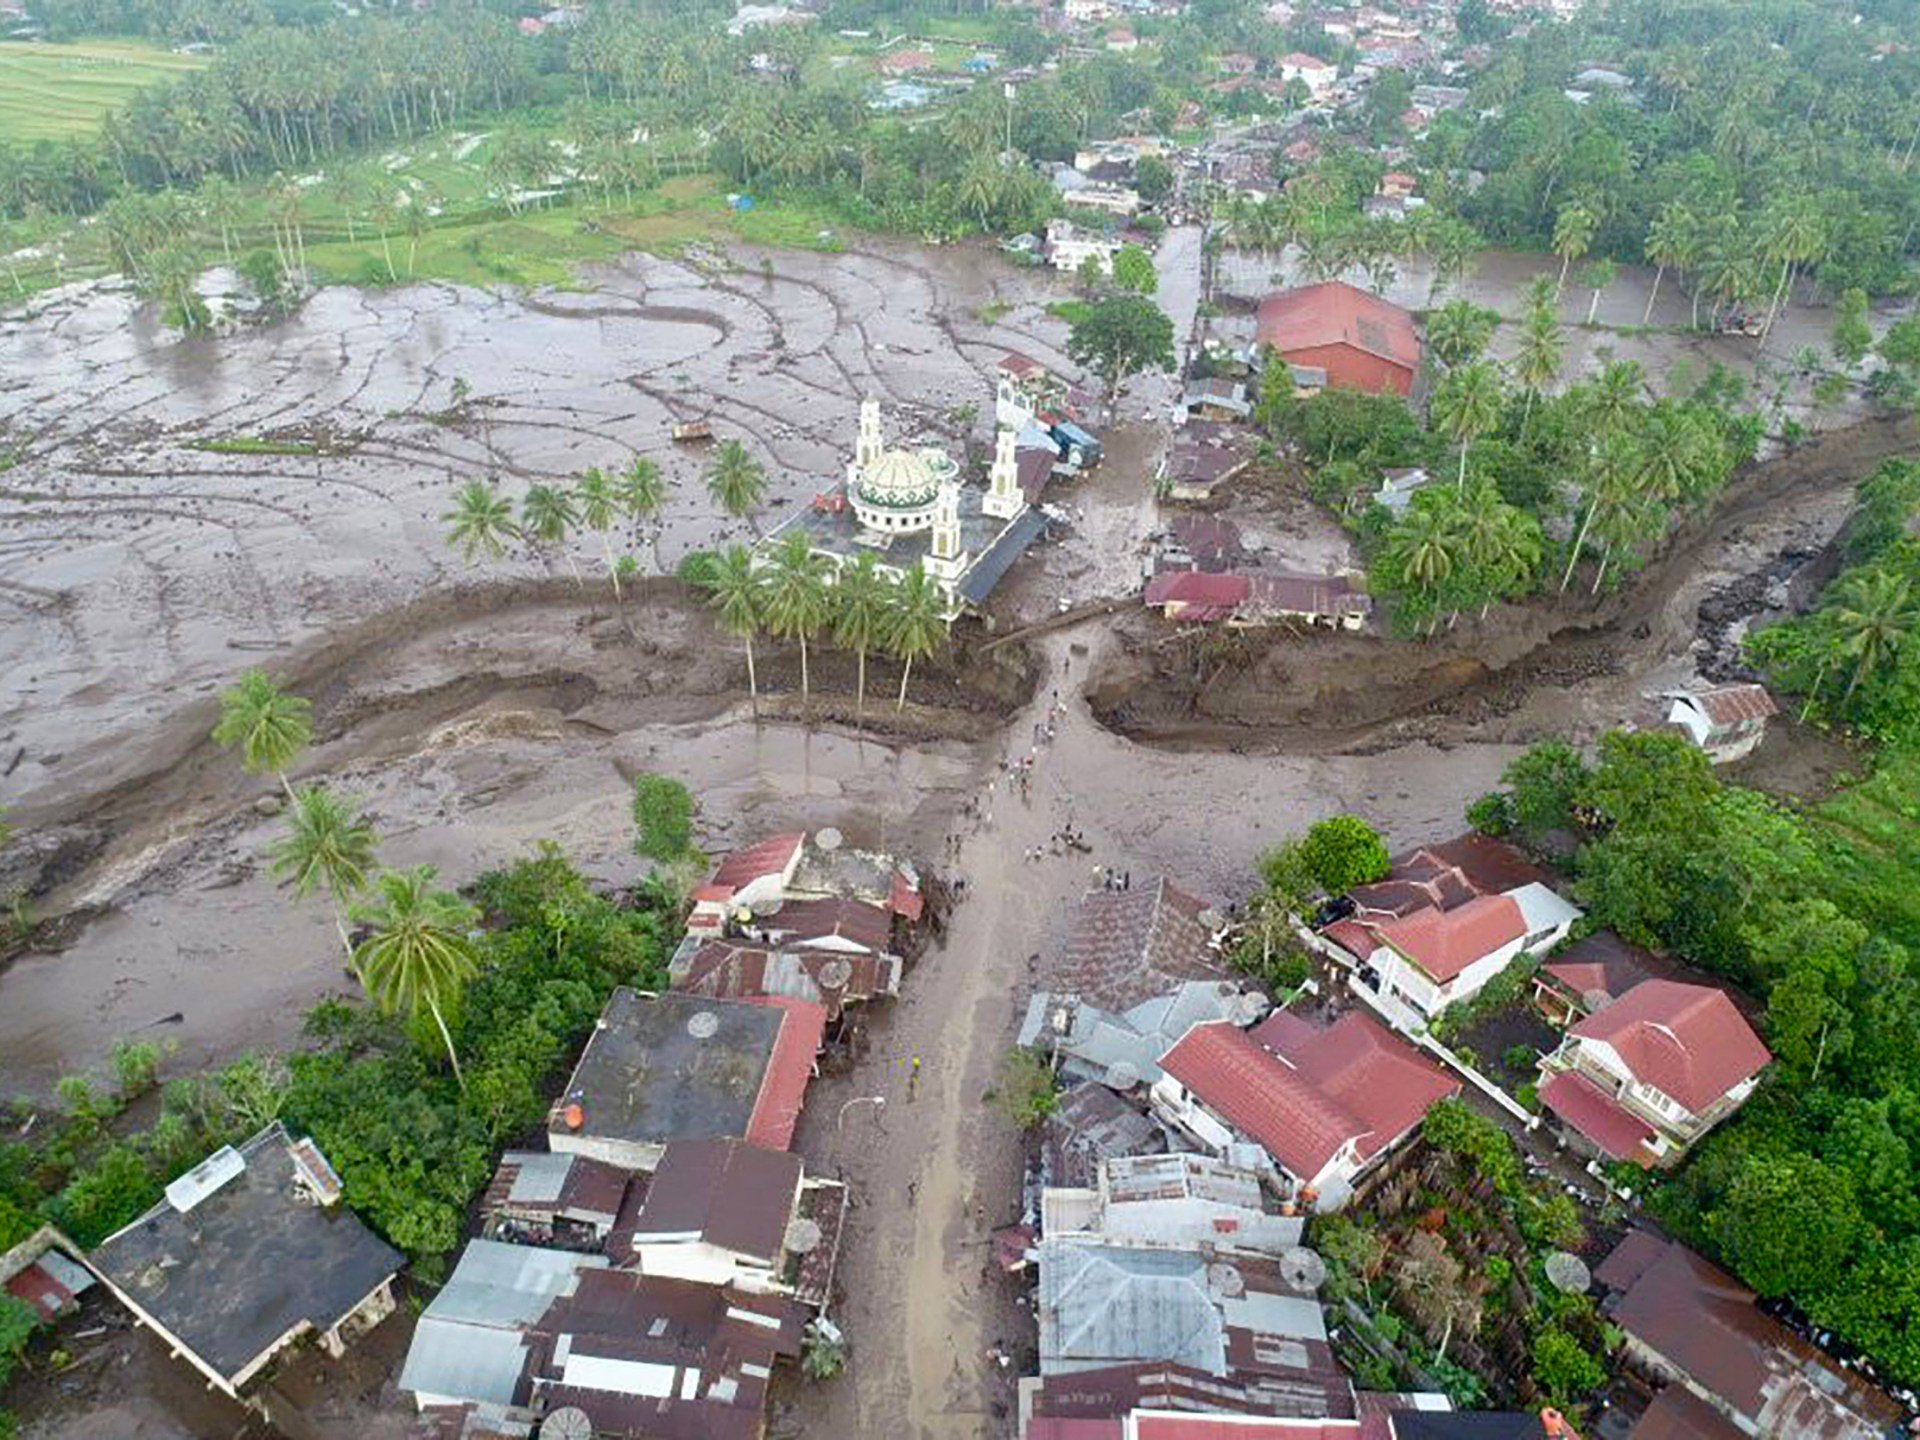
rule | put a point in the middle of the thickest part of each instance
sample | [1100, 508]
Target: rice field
[54, 92]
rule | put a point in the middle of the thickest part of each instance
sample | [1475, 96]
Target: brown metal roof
[1731, 704]
[733, 1195]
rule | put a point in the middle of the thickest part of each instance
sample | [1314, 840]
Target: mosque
[907, 506]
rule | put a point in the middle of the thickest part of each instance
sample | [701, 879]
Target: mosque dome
[899, 479]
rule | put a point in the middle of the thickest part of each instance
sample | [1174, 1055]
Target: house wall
[627, 1154]
[1172, 1102]
[1354, 368]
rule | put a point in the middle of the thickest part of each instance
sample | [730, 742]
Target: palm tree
[420, 955]
[797, 604]
[643, 494]
[1612, 398]
[1459, 331]
[917, 624]
[738, 592]
[270, 726]
[1466, 405]
[599, 504]
[1794, 233]
[481, 521]
[1499, 540]
[547, 513]
[1669, 242]
[1598, 276]
[864, 598]
[1572, 234]
[1612, 482]
[737, 481]
[1875, 614]
[1426, 544]
[1536, 362]
[328, 842]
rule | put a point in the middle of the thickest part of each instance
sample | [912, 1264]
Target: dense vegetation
[412, 1143]
[1809, 1192]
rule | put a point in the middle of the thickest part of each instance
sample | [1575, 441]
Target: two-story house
[1447, 920]
[1322, 1104]
[1644, 1078]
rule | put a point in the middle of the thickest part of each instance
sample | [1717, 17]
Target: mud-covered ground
[479, 714]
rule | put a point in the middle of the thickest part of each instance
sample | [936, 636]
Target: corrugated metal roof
[539, 1178]
[502, 1285]
[987, 572]
[464, 1362]
[1101, 1304]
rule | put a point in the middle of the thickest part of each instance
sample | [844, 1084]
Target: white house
[1727, 721]
[1068, 247]
[1111, 199]
[1644, 1078]
[1316, 74]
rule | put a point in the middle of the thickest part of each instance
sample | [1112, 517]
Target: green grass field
[51, 92]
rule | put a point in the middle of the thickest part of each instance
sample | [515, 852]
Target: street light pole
[879, 1103]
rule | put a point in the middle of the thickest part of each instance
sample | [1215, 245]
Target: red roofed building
[906, 62]
[1645, 1077]
[748, 877]
[1323, 1103]
[1360, 340]
[783, 1086]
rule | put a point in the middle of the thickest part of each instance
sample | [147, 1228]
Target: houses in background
[1258, 599]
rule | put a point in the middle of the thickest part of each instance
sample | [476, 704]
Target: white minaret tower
[867, 449]
[1004, 500]
[946, 559]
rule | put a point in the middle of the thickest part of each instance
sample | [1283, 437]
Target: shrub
[1563, 1369]
[1344, 851]
[663, 817]
[1028, 1091]
[136, 1066]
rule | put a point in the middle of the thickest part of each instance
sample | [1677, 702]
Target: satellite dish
[1246, 1009]
[835, 974]
[1226, 1281]
[1568, 1273]
[569, 1422]
[828, 838]
[803, 1236]
[703, 1025]
[1303, 1268]
[1122, 1075]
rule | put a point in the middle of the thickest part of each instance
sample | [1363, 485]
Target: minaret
[867, 449]
[946, 559]
[1004, 500]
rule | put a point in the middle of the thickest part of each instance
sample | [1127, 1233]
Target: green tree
[420, 955]
[1027, 1091]
[329, 843]
[1544, 784]
[1669, 243]
[1565, 1370]
[1874, 614]
[480, 522]
[863, 600]
[1788, 1223]
[547, 514]
[1133, 271]
[599, 504]
[1343, 851]
[1536, 360]
[270, 727]
[737, 590]
[1459, 330]
[662, 818]
[798, 602]
[737, 482]
[643, 495]
[1573, 231]
[1153, 178]
[916, 625]
[1466, 405]
[1121, 336]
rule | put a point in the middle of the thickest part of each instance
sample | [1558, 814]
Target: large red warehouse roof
[1336, 313]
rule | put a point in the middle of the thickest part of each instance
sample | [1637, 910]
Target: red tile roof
[905, 899]
[1730, 704]
[783, 1089]
[1445, 942]
[1598, 1116]
[1126, 946]
[1263, 1098]
[1163, 1426]
[1191, 588]
[769, 857]
[1015, 363]
[1336, 313]
[832, 917]
[1367, 1070]
[1300, 60]
[1685, 1040]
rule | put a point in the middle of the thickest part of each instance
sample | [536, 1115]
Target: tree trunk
[1579, 541]
[448, 1038]
[901, 703]
[1653, 295]
[806, 689]
[753, 684]
[860, 686]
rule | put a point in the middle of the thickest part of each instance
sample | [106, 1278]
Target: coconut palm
[1612, 398]
[1597, 277]
[1572, 235]
[1669, 242]
[420, 956]
[269, 726]
[738, 592]
[1792, 232]
[1500, 541]
[917, 623]
[1611, 482]
[328, 843]
[1466, 405]
[1459, 331]
[737, 482]
[1536, 360]
[599, 505]
[1875, 613]
[547, 513]
[1426, 543]
[863, 596]
[643, 494]
[798, 604]
[480, 522]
